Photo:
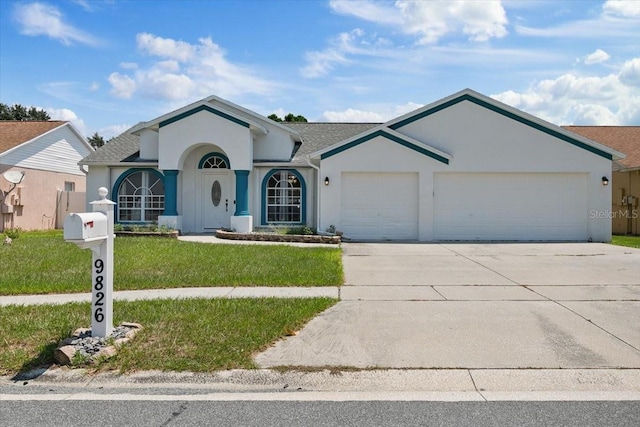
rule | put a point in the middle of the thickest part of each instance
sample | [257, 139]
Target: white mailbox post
[94, 230]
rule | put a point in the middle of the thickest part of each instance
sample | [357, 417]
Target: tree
[22, 113]
[96, 140]
[288, 118]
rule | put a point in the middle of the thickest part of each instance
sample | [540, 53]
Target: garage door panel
[536, 206]
[377, 206]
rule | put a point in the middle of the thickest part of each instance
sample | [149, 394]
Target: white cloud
[184, 71]
[112, 131]
[121, 86]
[352, 115]
[322, 62]
[83, 4]
[164, 48]
[627, 8]
[94, 87]
[343, 48]
[596, 57]
[619, 19]
[40, 19]
[369, 11]
[432, 20]
[69, 116]
[630, 73]
[570, 99]
[128, 65]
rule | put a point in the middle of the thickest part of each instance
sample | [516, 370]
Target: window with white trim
[284, 198]
[140, 197]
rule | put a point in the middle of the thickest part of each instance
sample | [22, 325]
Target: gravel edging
[92, 349]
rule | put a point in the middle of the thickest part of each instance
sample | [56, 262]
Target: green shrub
[13, 233]
[300, 230]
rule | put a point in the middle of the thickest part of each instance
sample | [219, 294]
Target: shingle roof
[316, 136]
[625, 139]
[14, 133]
[116, 150]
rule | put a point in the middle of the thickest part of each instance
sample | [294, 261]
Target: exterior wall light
[605, 181]
[326, 180]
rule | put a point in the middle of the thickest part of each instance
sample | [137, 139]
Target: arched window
[284, 197]
[214, 161]
[140, 196]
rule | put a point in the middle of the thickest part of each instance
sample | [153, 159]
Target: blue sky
[107, 65]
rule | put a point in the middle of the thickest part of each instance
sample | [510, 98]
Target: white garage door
[518, 206]
[377, 206]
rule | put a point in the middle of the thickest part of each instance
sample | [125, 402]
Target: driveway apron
[502, 306]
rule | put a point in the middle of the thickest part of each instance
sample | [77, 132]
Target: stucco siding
[39, 197]
[276, 145]
[177, 138]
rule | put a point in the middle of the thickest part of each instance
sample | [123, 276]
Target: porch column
[170, 192]
[242, 221]
[170, 217]
[242, 193]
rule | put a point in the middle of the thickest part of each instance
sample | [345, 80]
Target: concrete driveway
[502, 306]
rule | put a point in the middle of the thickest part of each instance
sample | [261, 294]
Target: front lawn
[42, 262]
[630, 241]
[197, 335]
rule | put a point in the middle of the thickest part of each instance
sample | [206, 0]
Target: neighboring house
[466, 167]
[47, 153]
[625, 185]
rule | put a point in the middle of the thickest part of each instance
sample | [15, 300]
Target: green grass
[196, 335]
[42, 263]
[630, 241]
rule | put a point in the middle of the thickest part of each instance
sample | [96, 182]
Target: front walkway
[177, 293]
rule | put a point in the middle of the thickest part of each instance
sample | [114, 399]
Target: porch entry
[217, 200]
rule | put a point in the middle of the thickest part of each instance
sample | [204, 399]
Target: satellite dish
[14, 177]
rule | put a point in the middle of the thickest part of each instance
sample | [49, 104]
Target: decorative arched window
[284, 197]
[140, 196]
[214, 161]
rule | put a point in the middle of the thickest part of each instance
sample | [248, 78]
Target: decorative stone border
[64, 354]
[273, 237]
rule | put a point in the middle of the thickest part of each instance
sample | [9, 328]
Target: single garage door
[379, 206]
[510, 206]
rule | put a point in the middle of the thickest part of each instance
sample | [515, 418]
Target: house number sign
[98, 291]
[94, 230]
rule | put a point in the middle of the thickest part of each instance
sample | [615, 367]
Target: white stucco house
[466, 167]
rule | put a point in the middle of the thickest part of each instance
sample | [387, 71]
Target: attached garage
[380, 206]
[510, 206]
[466, 168]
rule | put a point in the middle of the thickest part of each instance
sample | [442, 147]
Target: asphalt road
[323, 413]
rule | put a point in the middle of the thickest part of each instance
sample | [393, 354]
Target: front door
[217, 205]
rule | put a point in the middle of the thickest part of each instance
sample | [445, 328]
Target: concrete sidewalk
[178, 293]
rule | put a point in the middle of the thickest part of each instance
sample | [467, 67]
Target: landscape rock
[64, 355]
[94, 348]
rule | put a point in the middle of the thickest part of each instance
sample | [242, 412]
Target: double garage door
[467, 206]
